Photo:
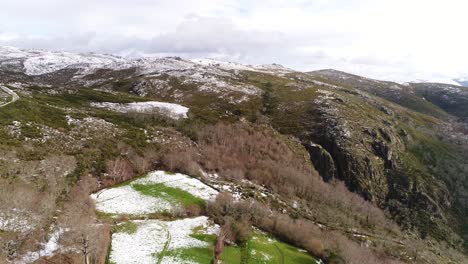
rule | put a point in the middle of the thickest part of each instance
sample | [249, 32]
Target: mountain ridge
[59, 60]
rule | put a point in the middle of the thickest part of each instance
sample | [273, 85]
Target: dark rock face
[373, 170]
[452, 99]
[382, 150]
[140, 87]
[323, 161]
[359, 154]
[370, 156]
[359, 171]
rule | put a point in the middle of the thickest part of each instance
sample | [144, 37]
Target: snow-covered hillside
[171, 110]
[440, 81]
[39, 62]
[225, 65]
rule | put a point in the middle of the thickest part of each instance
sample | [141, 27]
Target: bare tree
[120, 169]
[219, 247]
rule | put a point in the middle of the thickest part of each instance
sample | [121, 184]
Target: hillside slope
[283, 143]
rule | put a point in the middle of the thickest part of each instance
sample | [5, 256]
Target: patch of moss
[128, 227]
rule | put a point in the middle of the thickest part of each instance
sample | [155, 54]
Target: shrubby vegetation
[238, 217]
[257, 153]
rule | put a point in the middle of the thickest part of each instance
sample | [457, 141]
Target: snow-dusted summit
[40, 62]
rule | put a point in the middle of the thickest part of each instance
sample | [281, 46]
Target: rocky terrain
[371, 171]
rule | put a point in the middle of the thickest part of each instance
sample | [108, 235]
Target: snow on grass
[181, 181]
[175, 111]
[180, 231]
[48, 249]
[127, 200]
[264, 249]
[153, 237]
[140, 246]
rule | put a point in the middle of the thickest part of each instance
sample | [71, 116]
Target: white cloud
[399, 40]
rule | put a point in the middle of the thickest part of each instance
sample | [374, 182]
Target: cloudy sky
[398, 40]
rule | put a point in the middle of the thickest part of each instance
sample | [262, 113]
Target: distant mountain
[451, 98]
[462, 81]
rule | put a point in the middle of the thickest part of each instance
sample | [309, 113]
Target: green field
[263, 249]
[260, 249]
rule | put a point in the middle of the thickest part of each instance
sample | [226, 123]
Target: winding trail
[14, 96]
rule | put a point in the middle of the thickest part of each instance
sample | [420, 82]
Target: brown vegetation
[83, 232]
[219, 246]
[328, 245]
[127, 165]
[257, 153]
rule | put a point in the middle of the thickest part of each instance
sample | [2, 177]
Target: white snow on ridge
[38, 62]
[7, 53]
[212, 75]
[154, 236]
[273, 68]
[175, 111]
[439, 80]
[48, 62]
[167, 64]
[225, 65]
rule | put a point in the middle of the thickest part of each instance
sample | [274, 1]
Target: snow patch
[154, 236]
[439, 80]
[48, 62]
[48, 250]
[181, 181]
[126, 200]
[175, 111]
[232, 66]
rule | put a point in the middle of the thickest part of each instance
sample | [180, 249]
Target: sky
[399, 40]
